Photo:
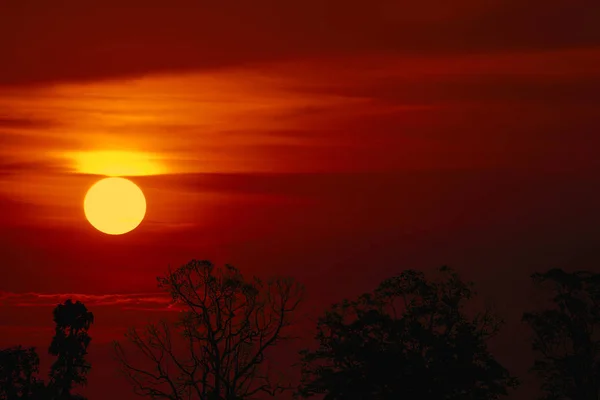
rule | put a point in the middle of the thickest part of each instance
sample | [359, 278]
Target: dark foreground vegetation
[411, 338]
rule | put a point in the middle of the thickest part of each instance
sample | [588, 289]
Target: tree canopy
[69, 345]
[19, 367]
[409, 339]
[567, 335]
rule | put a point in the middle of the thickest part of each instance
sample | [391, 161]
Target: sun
[114, 206]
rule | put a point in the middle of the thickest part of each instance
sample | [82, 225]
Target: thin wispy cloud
[129, 301]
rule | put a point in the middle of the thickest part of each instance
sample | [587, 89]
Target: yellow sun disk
[115, 206]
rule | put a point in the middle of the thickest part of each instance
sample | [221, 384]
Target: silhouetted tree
[409, 339]
[226, 324]
[18, 369]
[567, 336]
[70, 344]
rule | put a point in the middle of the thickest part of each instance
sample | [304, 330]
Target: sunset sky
[338, 142]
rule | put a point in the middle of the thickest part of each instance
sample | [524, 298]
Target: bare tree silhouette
[567, 336]
[409, 339]
[225, 328]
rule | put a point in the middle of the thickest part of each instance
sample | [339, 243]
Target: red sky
[338, 142]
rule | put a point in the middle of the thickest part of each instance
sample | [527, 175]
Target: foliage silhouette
[19, 367]
[70, 344]
[18, 374]
[225, 327]
[409, 339]
[566, 336]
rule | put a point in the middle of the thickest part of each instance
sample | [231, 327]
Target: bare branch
[225, 330]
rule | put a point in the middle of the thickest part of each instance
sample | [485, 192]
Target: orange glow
[116, 163]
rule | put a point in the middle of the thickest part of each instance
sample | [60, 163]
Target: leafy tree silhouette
[70, 344]
[566, 336]
[18, 369]
[225, 327]
[19, 366]
[409, 339]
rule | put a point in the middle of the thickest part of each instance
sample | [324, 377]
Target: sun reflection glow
[117, 163]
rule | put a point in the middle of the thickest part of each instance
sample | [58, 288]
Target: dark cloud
[471, 90]
[31, 139]
[69, 40]
[8, 167]
[24, 123]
